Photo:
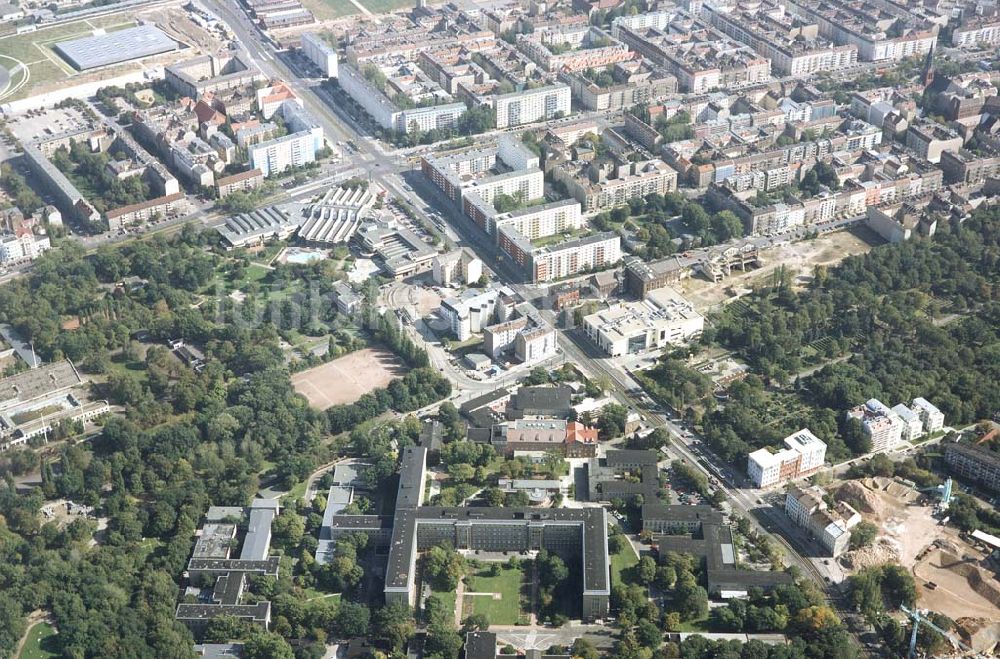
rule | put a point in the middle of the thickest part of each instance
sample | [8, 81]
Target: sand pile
[980, 634]
[882, 552]
[863, 499]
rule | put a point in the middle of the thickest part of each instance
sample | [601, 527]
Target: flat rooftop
[115, 47]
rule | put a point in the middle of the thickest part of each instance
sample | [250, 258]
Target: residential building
[930, 140]
[975, 463]
[202, 75]
[867, 26]
[21, 247]
[604, 185]
[964, 167]
[241, 182]
[661, 319]
[913, 426]
[320, 53]
[470, 312]
[635, 83]
[577, 47]
[529, 106]
[830, 527]
[793, 46]
[979, 30]
[385, 112]
[161, 207]
[931, 416]
[884, 428]
[277, 155]
[593, 252]
[804, 453]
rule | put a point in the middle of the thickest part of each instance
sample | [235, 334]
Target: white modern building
[663, 318]
[913, 427]
[931, 416]
[275, 156]
[457, 266]
[880, 424]
[803, 455]
[472, 311]
[320, 53]
[21, 247]
[525, 107]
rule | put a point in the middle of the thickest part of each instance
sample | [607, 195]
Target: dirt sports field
[346, 379]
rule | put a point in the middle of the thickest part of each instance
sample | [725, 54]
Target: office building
[415, 528]
[711, 541]
[217, 580]
[663, 318]
[803, 455]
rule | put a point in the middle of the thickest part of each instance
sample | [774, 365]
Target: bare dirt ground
[913, 538]
[346, 379]
[800, 258]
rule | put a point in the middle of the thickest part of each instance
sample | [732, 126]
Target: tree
[612, 421]
[476, 622]
[444, 566]
[264, 645]
[394, 624]
[351, 620]
[646, 570]
[690, 599]
[648, 634]
[863, 534]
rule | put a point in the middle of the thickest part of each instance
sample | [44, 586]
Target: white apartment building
[519, 108]
[320, 53]
[470, 312]
[931, 416]
[575, 256]
[541, 221]
[972, 35]
[880, 424]
[275, 156]
[663, 318]
[536, 344]
[385, 113]
[20, 248]
[913, 427]
[803, 455]
[456, 266]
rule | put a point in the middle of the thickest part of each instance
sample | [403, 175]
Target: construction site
[955, 575]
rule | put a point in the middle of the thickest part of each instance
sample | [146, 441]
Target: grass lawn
[447, 597]
[385, 6]
[503, 611]
[42, 643]
[622, 561]
[327, 10]
[35, 50]
[696, 625]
